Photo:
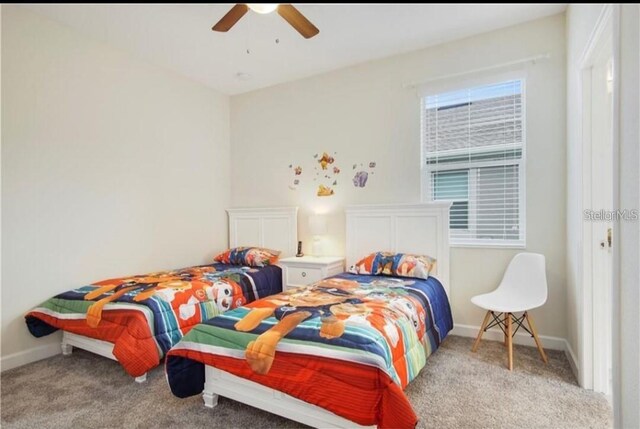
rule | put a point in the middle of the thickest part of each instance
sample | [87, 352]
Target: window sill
[518, 245]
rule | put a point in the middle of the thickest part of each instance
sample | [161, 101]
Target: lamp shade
[318, 224]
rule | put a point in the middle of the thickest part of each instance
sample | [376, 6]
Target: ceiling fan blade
[297, 20]
[230, 19]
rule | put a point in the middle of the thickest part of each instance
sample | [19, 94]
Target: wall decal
[325, 160]
[324, 191]
[360, 179]
[327, 179]
[296, 181]
[327, 172]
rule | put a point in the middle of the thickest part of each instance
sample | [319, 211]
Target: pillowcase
[249, 256]
[395, 264]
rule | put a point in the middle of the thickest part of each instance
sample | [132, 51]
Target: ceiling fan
[287, 11]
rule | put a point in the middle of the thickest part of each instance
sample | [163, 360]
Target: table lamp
[317, 228]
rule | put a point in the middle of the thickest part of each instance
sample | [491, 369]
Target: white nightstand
[306, 270]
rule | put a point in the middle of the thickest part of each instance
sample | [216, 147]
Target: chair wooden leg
[535, 337]
[510, 341]
[484, 325]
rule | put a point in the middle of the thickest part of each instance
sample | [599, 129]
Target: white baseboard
[573, 360]
[24, 357]
[520, 338]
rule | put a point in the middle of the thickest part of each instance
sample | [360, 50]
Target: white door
[601, 82]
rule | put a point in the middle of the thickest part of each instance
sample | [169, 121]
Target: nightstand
[306, 270]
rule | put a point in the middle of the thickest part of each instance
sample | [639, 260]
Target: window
[473, 147]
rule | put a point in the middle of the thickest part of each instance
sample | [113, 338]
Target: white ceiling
[179, 36]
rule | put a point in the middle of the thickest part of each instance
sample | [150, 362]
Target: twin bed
[135, 320]
[334, 354]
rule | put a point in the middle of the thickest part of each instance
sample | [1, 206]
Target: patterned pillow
[395, 264]
[248, 256]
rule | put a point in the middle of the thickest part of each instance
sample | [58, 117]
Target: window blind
[473, 141]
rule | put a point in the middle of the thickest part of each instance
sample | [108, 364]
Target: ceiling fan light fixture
[263, 8]
[287, 11]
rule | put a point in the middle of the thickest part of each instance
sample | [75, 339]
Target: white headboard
[274, 228]
[410, 228]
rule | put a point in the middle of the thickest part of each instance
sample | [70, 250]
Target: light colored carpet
[457, 389]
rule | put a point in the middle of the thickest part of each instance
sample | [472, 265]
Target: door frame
[592, 316]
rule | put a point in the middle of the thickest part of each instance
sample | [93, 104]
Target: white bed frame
[410, 228]
[421, 229]
[274, 228]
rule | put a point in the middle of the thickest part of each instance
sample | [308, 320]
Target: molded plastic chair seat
[505, 301]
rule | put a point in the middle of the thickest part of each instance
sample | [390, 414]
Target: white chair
[523, 287]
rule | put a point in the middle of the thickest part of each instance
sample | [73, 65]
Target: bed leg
[142, 378]
[67, 349]
[210, 399]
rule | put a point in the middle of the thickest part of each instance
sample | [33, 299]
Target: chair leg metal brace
[506, 326]
[506, 341]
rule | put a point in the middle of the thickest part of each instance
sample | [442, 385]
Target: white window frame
[471, 190]
[426, 172]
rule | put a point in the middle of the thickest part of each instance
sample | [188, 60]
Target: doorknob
[608, 241]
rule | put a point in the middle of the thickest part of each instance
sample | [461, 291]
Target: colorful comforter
[349, 344]
[145, 315]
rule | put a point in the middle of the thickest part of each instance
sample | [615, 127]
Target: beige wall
[365, 114]
[110, 166]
